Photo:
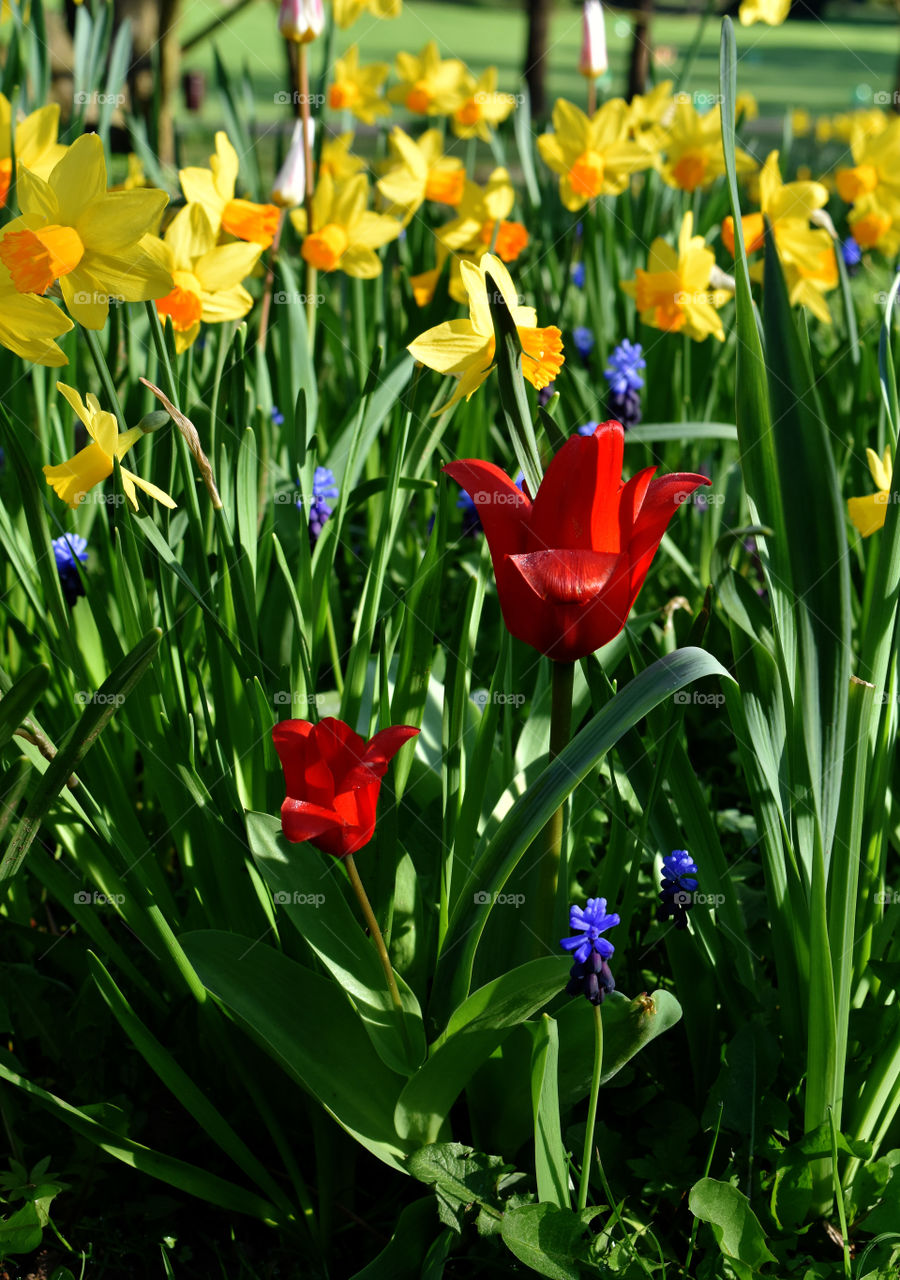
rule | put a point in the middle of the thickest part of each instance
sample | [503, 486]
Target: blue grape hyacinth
[625, 382]
[325, 490]
[67, 550]
[578, 273]
[590, 975]
[678, 885]
[852, 255]
[583, 338]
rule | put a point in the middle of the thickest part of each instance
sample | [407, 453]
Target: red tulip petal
[502, 508]
[303, 821]
[664, 496]
[291, 740]
[339, 746]
[566, 577]
[631, 501]
[576, 507]
[357, 811]
[382, 748]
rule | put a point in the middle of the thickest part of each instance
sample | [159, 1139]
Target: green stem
[311, 277]
[109, 387]
[592, 1110]
[377, 937]
[563, 679]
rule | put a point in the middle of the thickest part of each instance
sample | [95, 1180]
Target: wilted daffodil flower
[71, 480]
[358, 89]
[97, 244]
[675, 292]
[465, 348]
[345, 232]
[214, 189]
[593, 156]
[868, 513]
[569, 565]
[207, 276]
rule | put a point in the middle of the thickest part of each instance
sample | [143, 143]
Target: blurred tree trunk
[536, 54]
[639, 66]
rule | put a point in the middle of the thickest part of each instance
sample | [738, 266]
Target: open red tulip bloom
[570, 564]
[333, 777]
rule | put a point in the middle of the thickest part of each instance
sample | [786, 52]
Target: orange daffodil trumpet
[482, 106]
[98, 244]
[868, 513]
[345, 232]
[593, 61]
[213, 188]
[358, 89]
[482, 221]
[872, 185]
[301, 20]
[592, 156]
[677, 291]
[71, 480]
[693, 148]
[465, 348]
[207, 276]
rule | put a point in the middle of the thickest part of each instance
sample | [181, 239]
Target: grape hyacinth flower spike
[625, 382]
[678, 886]
[590, 975]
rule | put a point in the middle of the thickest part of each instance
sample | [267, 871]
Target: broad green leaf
[304, 882]
[628, 1025]
[473, 1033]
[551, 1241]
[316, 1037]
[460, 1176]
[735, 1226]
[401, 1258]
[551, 1169]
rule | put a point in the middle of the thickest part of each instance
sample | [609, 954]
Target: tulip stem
[592, 97]
[563, 679]
[592, 1110]
[377, 938]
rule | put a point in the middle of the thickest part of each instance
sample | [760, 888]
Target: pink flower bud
[593, 46]
[301, 20]
[289, 188]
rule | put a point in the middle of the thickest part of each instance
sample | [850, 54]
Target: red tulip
[570, 564]
[333, 777]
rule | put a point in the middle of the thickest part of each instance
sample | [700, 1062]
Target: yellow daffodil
[482, 222]
[649, 113]
[429, 85]
[97, 244]
[337, 160]
[71, 480]
[207, 276]
[464, 349]
[773, 12]
[693, 148]
[345, 232]
[868, 513]
[213, 188]
[875, 163]
[875, 221]
[417, 171]
[677, 291]
[592, 156]
[746, 107]
[806, 253]
[37, 148]
[801, 122]
[347, 11]
[29, 324]
[358, 89]
[482, 107]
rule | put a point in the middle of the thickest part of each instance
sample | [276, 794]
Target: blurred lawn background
[824, 67]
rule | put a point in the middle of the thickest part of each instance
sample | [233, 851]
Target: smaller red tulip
[570, 564]
[333, 777]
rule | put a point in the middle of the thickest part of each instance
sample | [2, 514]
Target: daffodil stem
[303, 77]
[592, 96]
[377, 937]
[109, 387]
[562, 683]
[592, 1110]
[266, 306]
